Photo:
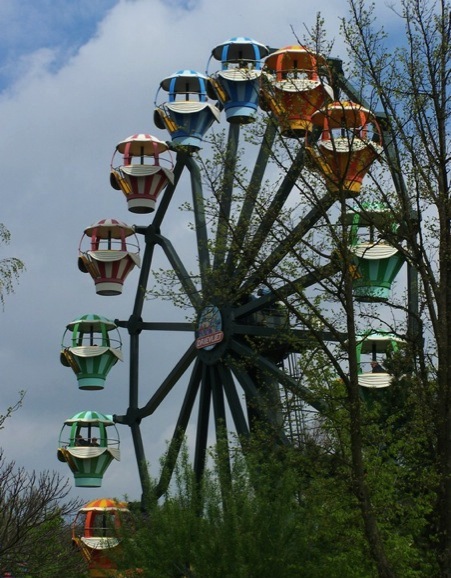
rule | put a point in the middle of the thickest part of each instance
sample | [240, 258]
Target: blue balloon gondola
[237, 84]
[187, 115]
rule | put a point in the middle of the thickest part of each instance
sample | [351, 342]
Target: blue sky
[77, 77]
[60, 26]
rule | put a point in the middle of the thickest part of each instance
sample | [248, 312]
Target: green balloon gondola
[87, 448]
[377, 265]
[373, 344]
[90, 349]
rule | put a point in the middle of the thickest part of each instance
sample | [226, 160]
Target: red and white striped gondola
[111, 253]
[143, 181]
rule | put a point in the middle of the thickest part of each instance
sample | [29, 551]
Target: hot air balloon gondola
[108, 251]
[142, 177]
[350, 142]
[294, 86]
[377, 263]
[187, 115]
[87, 446]
[373, 344]
[237, 84]
[97, 531]
[91, 349]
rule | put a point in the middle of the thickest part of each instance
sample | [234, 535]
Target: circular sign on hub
[209, 329]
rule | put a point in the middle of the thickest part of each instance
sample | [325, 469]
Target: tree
[412, 85]
[12, 409]
[276, 527]
[10, 267]
[34, 533]
[287, 264]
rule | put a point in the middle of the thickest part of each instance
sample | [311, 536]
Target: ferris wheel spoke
[169, 382]
[167, 325]
[264, 269]
[169, 191]
[151, 238]
[267, 367]
[294, 339]
[218, 400]
[225, 196]
[202, 423]
[182, 274]
[144, 273]
[222, 443]
[234, 402]
[180, 428]
[199, 219]
[290, 288]
[250, 198]
[271, 215]
[256, 401]
[140, 454]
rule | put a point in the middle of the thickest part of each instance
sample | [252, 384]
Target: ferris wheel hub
[213, 332]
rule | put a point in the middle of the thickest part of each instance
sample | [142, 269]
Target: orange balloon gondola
[96, 532]
[350, 141]
[294, 86]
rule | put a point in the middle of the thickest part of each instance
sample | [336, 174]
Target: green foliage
[286, 513]
[11, 409]
[10, 267]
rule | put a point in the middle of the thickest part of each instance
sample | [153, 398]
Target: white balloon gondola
[142, 181]
[237, 84]
[187, 115]
[108, 251]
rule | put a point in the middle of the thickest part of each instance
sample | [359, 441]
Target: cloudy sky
[76, 77]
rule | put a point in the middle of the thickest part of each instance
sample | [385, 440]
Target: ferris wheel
[309, 124]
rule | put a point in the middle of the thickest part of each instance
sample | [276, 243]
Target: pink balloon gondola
[141, 182]
[112, 251]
